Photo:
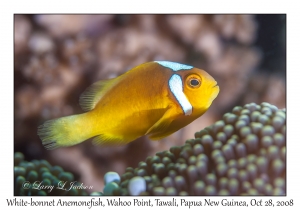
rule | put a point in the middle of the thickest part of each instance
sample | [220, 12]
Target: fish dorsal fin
[92, 95]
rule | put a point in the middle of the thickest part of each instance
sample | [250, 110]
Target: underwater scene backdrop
[56, 57]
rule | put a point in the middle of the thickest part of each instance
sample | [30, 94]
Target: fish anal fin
[162, 125]
[91, 96]
[109, 140]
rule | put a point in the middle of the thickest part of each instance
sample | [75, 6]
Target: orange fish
[154, 99]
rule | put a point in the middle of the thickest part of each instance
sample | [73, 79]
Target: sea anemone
[37, 176]
[242, 154]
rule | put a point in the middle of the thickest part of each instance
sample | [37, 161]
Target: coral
[242, 154]
[22, 29]
[64, 25]
[35, 178]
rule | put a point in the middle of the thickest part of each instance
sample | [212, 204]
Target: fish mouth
[215, 85]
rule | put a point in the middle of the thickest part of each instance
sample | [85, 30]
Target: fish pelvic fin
[92, 95]
[161, 127]
[159, 136]
[111, 140]
[65, 131]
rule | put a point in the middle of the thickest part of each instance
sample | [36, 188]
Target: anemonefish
[154, 99]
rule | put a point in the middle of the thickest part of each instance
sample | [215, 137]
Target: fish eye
[193, 81]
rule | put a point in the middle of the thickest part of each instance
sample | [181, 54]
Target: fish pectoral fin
[161, 126]
[109, 140]
[91, 96]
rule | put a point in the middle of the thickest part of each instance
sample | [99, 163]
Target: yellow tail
[66, 131]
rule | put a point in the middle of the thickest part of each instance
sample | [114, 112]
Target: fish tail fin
[65, 131]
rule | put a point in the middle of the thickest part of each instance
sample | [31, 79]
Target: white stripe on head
[176, 87]
[174, 66]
